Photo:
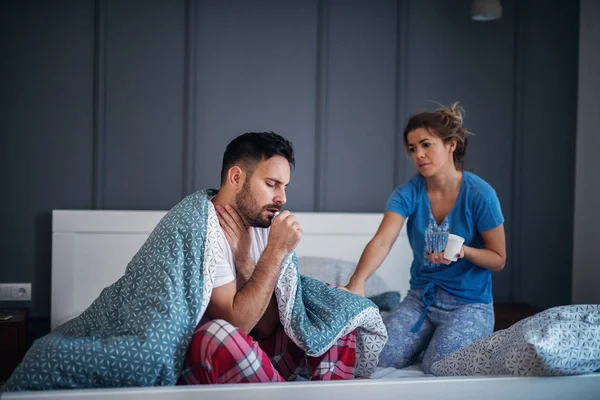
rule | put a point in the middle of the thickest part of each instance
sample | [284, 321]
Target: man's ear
[235, 177]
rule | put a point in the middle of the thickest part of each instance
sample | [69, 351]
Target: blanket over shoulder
[136, 333]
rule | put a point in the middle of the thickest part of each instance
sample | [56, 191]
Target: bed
[90, 250]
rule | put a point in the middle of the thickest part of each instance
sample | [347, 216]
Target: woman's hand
[438, 258]
[356, 289]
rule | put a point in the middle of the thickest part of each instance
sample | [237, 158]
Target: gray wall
[129, 104]
[586, 277]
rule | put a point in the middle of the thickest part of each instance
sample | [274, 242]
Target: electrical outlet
[15, 291]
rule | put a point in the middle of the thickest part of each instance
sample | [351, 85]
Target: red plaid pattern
[221, 353]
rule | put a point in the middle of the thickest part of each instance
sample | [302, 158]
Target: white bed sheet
[583, 387]
[413, 371]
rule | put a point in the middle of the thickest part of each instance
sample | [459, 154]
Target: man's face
[263, 193]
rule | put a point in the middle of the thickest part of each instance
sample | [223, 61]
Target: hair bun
[455, 112]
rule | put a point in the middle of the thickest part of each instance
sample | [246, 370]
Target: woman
[449, 304]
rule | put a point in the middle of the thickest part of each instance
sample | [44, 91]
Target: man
[240, 338]
[218, 256]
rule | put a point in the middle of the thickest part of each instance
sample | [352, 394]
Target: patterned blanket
[136, 333]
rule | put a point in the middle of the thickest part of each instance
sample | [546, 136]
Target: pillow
[386, 301]
[338, 272]
[560, 341]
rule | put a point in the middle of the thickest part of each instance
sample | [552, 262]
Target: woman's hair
[445, 123]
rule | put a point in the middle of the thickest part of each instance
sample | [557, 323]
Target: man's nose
[280, 197]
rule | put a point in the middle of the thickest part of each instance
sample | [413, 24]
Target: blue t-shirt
[477, 209]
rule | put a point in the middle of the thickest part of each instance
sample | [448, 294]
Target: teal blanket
[136, 333]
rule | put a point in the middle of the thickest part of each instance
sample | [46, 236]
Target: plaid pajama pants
[221, 353]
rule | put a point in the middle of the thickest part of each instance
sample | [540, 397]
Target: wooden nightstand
[510, 313]
[13, 334]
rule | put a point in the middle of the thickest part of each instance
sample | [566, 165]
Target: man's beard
[250, 210]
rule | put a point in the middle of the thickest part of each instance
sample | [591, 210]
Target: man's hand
[238, 236]
[285, 233]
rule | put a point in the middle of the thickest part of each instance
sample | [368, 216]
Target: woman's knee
[460, 332]
[395, 358]
[404, 347]
[435, 352]
[429, 358]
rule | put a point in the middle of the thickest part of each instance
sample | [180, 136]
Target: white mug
[453, 247]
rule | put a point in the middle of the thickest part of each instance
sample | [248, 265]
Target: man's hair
[252, 147]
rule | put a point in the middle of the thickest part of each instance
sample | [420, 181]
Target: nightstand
[13, 334]
[509, 314]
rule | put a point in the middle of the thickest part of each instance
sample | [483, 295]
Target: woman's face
[428, 152]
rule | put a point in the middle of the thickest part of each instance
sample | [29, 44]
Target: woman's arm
[376, 251]
[493, 254]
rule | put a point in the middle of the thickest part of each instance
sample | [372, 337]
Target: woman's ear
[452, 145]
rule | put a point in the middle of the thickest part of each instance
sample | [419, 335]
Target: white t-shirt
[225, 267]
[222, 257]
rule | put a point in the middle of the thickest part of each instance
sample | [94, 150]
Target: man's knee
[215, 327]
[209, 338]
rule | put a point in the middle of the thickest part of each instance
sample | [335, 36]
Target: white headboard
[90, 250]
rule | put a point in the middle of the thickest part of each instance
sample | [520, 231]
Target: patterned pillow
[560, 341]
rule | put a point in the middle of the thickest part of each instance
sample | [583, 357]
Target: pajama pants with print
[221, 353]
[448, 325]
